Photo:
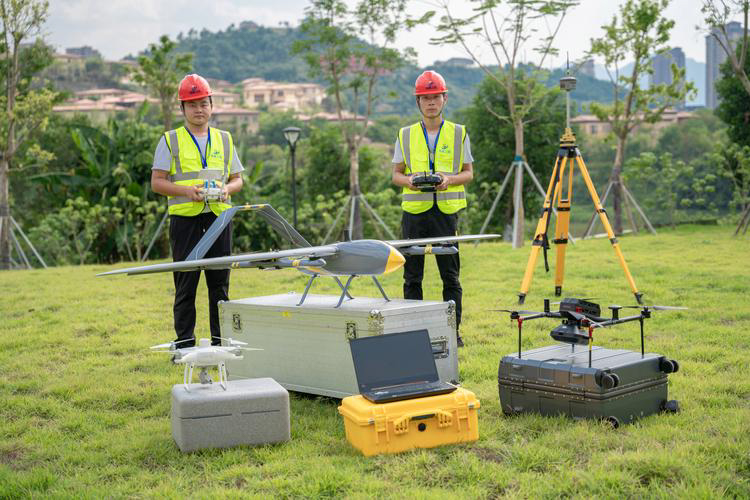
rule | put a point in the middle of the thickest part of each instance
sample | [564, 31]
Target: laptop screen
[392, 359]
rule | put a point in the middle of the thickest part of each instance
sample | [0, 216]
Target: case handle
[401, 425]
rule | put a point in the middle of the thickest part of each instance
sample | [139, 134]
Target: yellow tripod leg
[541, 229]
[562, 225]
[607, 227]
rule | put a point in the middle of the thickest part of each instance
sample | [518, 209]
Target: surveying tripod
[567, 156]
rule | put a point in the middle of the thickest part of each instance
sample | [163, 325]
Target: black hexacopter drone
[579, 319]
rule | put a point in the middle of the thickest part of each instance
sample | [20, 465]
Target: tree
[24, 113]
[507, 35]
[734, 106]
[717, 15]
[334, 50]
[492, 143]
[638, 33]
[160, 71]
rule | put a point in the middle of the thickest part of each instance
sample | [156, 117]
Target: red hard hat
[430, 82]
[194, 87]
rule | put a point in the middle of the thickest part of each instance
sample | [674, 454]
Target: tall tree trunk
[4, 216]
[357, 229]
[616, 180]
[166, 110]
[518, 216]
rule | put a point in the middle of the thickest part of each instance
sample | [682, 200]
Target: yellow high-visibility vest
[187, 167]
[449, 159]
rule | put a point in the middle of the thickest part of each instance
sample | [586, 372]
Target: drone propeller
[230, 341]
[171, 345]
[517, 311]
[655, 308]
[581, 317]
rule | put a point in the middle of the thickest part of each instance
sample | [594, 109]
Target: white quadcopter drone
[204, 355]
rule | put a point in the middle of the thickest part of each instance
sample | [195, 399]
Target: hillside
[251, 50]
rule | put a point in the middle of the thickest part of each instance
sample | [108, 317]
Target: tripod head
[568, 84]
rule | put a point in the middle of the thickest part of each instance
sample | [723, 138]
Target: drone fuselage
[361, 258]
[209, 356]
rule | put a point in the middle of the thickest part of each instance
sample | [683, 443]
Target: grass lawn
[84, 405]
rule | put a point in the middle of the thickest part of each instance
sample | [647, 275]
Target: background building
[661, 64]
[715, 56]
[281, 96]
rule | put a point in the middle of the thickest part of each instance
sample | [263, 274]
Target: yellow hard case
[411, 423]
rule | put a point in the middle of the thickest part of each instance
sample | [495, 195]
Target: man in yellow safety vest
[433, 146]
[186, 161]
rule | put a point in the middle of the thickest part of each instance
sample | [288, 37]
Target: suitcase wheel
[668, 366]
[671, 406]
[613, 421]
[608, 380]
[676, 365]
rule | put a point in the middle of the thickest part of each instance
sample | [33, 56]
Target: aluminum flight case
[619, 387]
[306, 348]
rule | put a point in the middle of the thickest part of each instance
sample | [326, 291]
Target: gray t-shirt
[163, 157]
[399, 158]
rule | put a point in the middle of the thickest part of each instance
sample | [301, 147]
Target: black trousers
[184, 234]
[430, 224]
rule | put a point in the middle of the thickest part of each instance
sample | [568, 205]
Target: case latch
[440, 347]
[351, 330]
[236, 322]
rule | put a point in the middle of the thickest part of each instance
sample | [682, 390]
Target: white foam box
[249, 412]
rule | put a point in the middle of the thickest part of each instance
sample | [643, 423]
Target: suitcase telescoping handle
[401, 425]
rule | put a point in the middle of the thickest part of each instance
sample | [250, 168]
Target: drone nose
[395, 261]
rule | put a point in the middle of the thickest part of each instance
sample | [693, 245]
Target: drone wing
[277, 222]
[281, 258]
[441, 239]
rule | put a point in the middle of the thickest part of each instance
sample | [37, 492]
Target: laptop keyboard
[409, 389]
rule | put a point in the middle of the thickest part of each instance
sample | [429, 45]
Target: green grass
[84, 406]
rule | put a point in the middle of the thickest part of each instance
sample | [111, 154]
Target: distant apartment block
[281, 96]
[101, 104]
[715, 56]
[85, 51]
[593, 127]
[661, 64]
[587, 68]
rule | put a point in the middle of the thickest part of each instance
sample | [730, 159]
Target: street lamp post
[291, 134]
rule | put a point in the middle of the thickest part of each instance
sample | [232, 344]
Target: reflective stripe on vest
[449, 155]
[187, 168]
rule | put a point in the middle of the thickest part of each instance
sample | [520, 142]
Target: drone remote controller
[212, 191]
[427, 183]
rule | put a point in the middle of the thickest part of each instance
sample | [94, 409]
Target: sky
[120, 27]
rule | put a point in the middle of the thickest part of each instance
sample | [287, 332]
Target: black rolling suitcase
[617, 385]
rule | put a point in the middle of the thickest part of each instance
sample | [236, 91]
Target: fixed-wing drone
[204, 355]
[346, 258]
[579, 319]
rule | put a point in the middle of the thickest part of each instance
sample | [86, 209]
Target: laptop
[396, 366]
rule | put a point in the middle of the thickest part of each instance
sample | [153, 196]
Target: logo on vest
[444, 149]
[215, 154]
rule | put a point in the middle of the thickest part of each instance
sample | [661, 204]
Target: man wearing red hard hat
[439, 147]
[187, 161]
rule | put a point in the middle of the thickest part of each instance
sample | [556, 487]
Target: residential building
[223, 99]
[661, 65]
[85, 51]
[715, 56]
[102, 104]
[592, 126]
[281, 96]
[235, 118]
[587, 68]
